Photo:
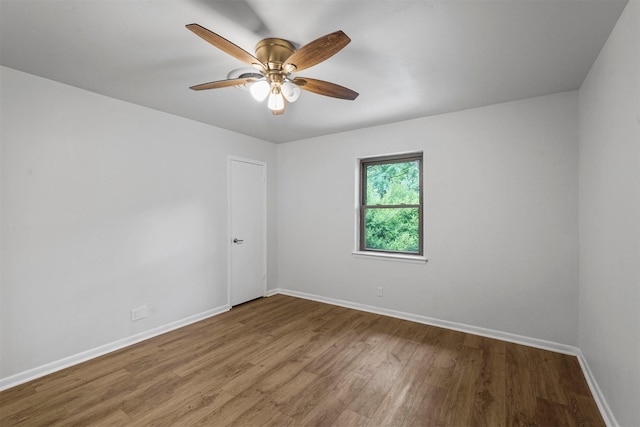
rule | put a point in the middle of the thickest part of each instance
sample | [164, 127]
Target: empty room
[345, 213]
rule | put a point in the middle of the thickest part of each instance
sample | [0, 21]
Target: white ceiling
[407, 59]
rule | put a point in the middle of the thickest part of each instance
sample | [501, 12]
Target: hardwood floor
[292, 362]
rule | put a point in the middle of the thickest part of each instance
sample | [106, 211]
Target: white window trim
[413, 259]
[381, 256]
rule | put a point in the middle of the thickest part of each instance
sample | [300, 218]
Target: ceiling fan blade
[223, 83]
[325, 88]
[225, 45]
[317, 51]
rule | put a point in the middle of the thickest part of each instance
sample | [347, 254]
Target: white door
[247, 230]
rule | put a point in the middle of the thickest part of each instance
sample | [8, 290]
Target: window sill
[413, 259]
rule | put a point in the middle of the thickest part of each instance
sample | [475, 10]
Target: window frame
[363, 207]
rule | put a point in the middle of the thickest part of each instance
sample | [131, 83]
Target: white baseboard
[605, 411]
[603, 406]
[272, 292]
[75, 359]
[461, 327]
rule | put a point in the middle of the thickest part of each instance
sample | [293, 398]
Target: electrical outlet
[379, 291]
[138, 313]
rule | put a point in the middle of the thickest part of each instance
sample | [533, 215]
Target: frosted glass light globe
[276, 101]
[260, 90]
[290, 91]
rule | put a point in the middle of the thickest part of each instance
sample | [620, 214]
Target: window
[391, 204]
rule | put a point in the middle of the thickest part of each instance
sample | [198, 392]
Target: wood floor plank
[404, 397]
[453, 410]
[490, 385]
[447, 350]
[284, 361]
[426, 408]
[350, 418]
[298, 393]
[190, 404]
[521, 399]
[274, 368]
[332, 403]
[585, 410]
[230, 411]
[397, 353]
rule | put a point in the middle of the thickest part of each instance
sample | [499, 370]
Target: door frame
[230, 159]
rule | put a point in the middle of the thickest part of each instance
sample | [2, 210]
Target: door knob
[236, 240]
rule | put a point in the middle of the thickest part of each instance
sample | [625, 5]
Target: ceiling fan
[275, 61]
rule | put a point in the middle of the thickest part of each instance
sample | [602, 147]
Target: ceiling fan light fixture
[276, 100]
[275, 61]
[260, 90]
[290, 91]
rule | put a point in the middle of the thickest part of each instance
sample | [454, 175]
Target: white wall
[609, 102]
[107, 206]
[501, 185]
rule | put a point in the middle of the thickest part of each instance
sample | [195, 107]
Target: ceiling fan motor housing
[273, 52]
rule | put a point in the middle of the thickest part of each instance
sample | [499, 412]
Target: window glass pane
[393, 183]
[392, 229]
